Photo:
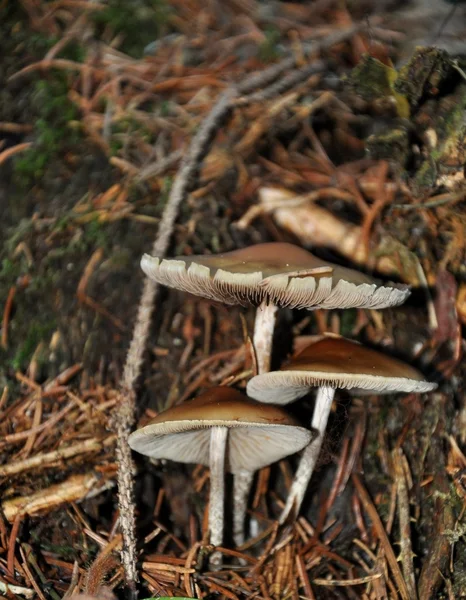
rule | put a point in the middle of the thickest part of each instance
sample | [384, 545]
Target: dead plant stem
[126, 410]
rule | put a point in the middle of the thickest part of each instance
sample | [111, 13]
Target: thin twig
[155, 169]
[51, 458]
[6, 588]
[285, 83]
[73, 489]
[347, 582]
[126, 411]
[440, 200]
[404, 522]
[267, 76]
[6, 316]
[9, 152]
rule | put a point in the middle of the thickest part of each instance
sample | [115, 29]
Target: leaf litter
[294, 149]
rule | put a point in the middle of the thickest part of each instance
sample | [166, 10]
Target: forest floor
[354, 149]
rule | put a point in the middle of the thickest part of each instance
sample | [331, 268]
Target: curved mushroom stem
[263, 335]
[264, 327]
[309, 457]
[242, 485]
[218, 442]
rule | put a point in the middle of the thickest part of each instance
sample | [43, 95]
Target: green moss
[370, 79]
[392, 144]
[52, 130]
[447, 120]
[119, 259]
[20, 232]
[39, 44]
[96, 234]
[426, 176]
[115, 147]
[348, 321]
[62, 224]
[459, 570]
[47, 280]
[374, 80]
[428, 69]
[165, 108]
[37, 332]
[454, 535]
[129, 124]
[269, 49]
[9, 271]
[140, 22]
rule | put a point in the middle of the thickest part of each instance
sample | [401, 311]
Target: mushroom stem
[264, 327]
[218, 442]
[263, 335]
[242, 485]
[309, 457]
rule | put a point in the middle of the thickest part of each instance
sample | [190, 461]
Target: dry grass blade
[347, 582]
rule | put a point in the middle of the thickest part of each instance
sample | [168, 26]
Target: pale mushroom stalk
[241, 487]
[200, 430]
[218, 442]
[264, 327]
[330, 363]
[311, 453]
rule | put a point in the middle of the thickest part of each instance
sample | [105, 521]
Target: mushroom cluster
[329, 364]
[228, 431]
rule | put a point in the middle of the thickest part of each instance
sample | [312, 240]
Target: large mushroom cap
[259, 434]
[338, 363]
[284, 274]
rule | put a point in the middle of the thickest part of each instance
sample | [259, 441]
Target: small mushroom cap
[259, 434]
[284, 274]
[338, 363]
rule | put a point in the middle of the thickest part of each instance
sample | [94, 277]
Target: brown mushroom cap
[259, 434]
[337, 363]
[276, 272]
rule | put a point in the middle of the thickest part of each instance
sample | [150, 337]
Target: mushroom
[331, 363]
[223, 429]
[269, 276]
